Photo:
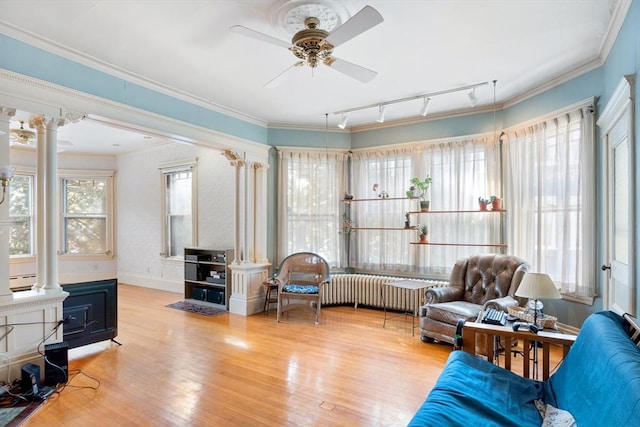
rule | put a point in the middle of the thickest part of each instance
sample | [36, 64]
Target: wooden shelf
[491, 245]
[450, 212]
[377, 199]
[385, 228]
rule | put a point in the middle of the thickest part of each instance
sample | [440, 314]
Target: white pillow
[554, 417]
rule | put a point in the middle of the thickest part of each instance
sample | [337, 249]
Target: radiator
[24, 281]
[366, 289]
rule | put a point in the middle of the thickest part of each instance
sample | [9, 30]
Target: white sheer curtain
[550, 186]
[462, 171]
[311, 186]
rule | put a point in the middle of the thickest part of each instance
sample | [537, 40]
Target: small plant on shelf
[496, 203]
[423, 231]
[347, 224]
[407, 220]
[422, 186]
[483, 203]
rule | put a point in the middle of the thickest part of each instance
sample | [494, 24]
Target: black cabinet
[207, 276]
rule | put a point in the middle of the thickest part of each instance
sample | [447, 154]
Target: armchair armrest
[501, 304]
[445, 294]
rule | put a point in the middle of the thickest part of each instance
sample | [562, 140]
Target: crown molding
[48, 99]
[102, 66]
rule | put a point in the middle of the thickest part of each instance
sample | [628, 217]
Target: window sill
[173, 261]
[581, 299]
[86, 257]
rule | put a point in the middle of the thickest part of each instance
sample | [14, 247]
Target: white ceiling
[185, 47]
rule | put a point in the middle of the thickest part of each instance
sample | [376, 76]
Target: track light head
[381, 111]
[425, 107]
[473, 98]
[343, 121]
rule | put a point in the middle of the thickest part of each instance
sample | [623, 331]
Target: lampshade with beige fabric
[537, 286]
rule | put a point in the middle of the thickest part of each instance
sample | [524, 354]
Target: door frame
[619, 108]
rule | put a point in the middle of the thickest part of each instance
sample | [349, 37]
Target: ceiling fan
[314, 45]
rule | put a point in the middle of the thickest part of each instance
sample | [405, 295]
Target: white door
[617, 125]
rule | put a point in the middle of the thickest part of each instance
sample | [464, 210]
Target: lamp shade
[537, 286]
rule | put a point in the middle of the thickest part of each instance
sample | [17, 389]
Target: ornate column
[51, 205]
[5, 226]
[37, 123]
[260, 213]
[247, 293]
[47, 191]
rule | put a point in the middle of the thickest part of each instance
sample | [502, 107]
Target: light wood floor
[179, 368]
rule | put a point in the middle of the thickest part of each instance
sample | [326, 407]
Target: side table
[412, 285]
[271, 288]
[542, 339]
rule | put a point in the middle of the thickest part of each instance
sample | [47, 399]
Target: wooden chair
[301, 278]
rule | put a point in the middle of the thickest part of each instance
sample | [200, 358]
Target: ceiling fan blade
[259, 36]
[277, 80]
[352, 70]
[367, 18]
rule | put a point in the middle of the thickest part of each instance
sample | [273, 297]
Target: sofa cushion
[451, 312]
[473, 392]
[599, 380]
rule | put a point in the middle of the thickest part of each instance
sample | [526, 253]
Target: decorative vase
[496, 204]
[423, 238]
[424, 205]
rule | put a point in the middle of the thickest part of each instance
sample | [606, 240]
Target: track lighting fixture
[473, 98]
[426, 99]
[343, 121]
[425, 106]
[381, 111]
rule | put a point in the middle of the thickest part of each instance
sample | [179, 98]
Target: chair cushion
[300, 289]
[451, 312]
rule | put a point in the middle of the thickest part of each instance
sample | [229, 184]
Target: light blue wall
[24, 59]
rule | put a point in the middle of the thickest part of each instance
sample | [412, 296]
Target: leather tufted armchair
[477, 283]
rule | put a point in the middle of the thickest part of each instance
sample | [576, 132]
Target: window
[86, 213]
[311, 188]
[462, 170]
[179, 219]
[21, 211]
[550, 183]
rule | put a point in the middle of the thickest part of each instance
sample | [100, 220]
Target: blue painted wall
[24, 59]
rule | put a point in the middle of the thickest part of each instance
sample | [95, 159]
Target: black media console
[92, 310]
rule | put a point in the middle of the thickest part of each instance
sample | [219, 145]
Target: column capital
[37, 122]
[234, 158]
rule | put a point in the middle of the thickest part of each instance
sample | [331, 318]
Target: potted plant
[422, 186]
[407, 220]
[482, 202]
[411, 192]
[496, 203]
[423, 231]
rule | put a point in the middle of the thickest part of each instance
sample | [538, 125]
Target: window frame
[108, 176]
[170, 168]
[29, 172]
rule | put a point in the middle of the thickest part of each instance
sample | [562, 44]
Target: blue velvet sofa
[598, 383]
